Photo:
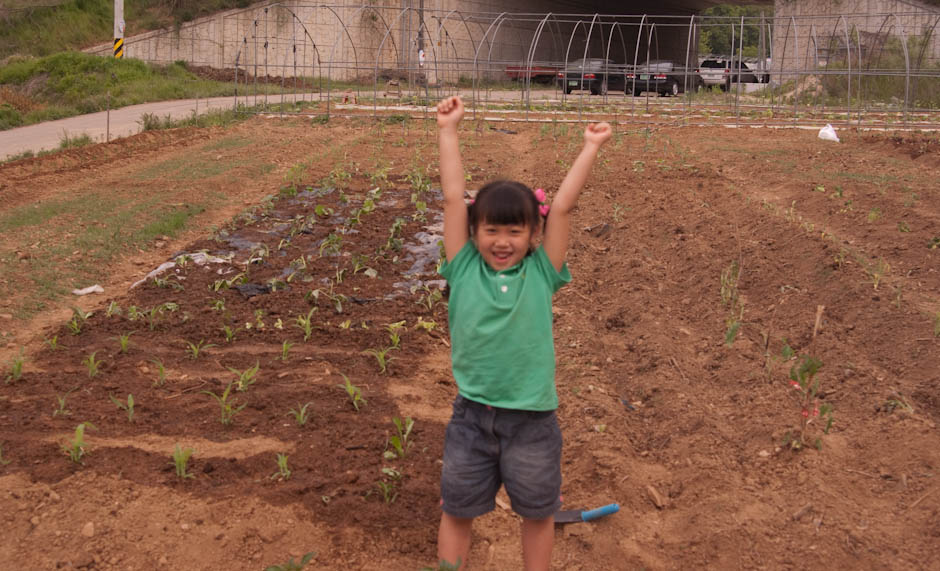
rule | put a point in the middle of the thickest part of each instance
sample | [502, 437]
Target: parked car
[536, 73]
[662, 76]
[593, 74]
[717, 70]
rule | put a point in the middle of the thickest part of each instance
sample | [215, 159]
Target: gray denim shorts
[486, 446]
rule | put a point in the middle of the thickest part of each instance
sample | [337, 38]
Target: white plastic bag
[90, 289]
[827, 133]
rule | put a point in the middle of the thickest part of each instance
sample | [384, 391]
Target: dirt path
[675, 403]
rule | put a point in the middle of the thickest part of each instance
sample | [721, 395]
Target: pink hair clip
[543, 205]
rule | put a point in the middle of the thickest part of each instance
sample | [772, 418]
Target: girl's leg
[453, 540]
[538, 535]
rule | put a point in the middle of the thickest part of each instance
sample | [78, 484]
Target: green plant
[246, 378]
[331, 245]
[877, 272]
[428, 298]
[428, 326]
[53, 342]
[156, 313]
[61, 410]
[874, 214]
[903, 226]
[77, 448]
[382, 357]
[291, 566]
[16, 367]
[283, 472]
[181, 458]
[2, 461]
[285, 350]
[353, 392]
[388, 490]
[300, 414]
[124, 341]
[78, 320]
[127, 407]
[306, 323]
[92, 365]
[113, 309]
[218, 305]
[228, 407]
[161, 372]
[394, 334]
[400, 441]
[230, 332]
[195, 348]
[803, 380]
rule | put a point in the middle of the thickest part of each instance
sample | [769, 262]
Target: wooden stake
[819, 314]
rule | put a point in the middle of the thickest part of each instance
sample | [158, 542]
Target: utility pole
[118, 29]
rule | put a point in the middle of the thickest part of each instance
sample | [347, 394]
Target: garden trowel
[575, 516]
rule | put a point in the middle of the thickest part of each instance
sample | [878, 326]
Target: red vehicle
[537, 73]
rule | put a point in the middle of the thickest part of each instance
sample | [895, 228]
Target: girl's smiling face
[503, 245]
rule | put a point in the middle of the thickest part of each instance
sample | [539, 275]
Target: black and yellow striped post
[118, 29]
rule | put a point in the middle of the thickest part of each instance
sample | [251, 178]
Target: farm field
[707, 263]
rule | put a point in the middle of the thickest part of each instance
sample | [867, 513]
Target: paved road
[123, 122]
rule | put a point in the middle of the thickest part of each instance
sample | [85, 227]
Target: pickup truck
[537, 73]
[663, 77]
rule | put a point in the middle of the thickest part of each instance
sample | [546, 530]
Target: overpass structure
[810, 50]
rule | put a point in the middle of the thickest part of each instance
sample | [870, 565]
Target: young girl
[503, 430]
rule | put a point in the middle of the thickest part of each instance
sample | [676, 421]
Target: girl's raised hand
[597, 133]
[449, 112]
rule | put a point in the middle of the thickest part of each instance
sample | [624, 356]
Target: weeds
[181, 458]
[194, 349]
[283, 472]
[803, 379]
[246, 378]
[353, 392]
[76, 448]
[127, 407]
[300, 414]
[227, 407]
[400, 441]
[92, 365]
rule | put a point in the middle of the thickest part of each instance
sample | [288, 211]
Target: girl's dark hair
[505, 202]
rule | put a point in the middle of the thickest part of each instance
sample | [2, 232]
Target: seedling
[195, 349]
[323, 211]
[133, 314]
[285, 349]
[53, 342]
[283, 472]
[230, 332]
[113, 309]
[936, 325]
[259, 323]
[127, 407]
[803, 379]
[181, 458]
[218, 305]
[393, 332]
[353, 392]
[874, 214]
[400, 442]
[428, 326]
[124, 341]
[388, 491]
[331, 245]
[729, 284]
[291, 566]
[246, 378]
[161, 372]
[382, 357]
[228, 408]
[16, 367]
[300, 414]
[2, 461]
[62, 410]
[76, 449]
[428, 298]
[92, 365]
[877, 272]
[306, 323]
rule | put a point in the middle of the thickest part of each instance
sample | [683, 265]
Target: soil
[688, 428]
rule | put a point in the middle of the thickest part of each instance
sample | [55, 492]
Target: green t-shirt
[502, 350]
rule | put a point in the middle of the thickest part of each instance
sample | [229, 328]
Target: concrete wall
[343, 41]
[816, 35]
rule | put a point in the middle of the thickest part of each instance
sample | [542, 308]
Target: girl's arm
[555, 241]
[453, 184]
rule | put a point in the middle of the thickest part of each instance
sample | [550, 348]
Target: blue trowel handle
[600, 512]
